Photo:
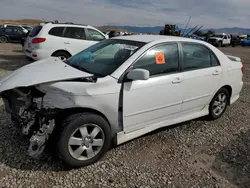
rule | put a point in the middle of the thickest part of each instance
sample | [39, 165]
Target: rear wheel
[83, 139]
[3, 39]
[219, 104]
[61, 55]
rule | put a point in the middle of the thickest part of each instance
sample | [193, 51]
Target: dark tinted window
[8, 30]
[17, 31]
[75, 33]
[34, 32]
[197, 57]
[56, 31]
[163, 59]
[95, 35]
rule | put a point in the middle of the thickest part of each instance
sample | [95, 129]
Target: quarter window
[75, 33]
[56, 31]
[95, 35]
[197, 57]
[162, 59]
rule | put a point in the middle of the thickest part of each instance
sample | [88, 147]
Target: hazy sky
[210, 13]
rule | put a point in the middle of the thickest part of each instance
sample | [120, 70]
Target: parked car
[220, 40]
[117, 90]
[15, 26]
[60, 40]
[245, 42]
[29, 28]
[11, 35]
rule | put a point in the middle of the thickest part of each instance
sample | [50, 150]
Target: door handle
[216, 72]
[177, 80]
[67, 42]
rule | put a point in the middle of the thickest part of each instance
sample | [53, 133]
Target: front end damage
[25, 105]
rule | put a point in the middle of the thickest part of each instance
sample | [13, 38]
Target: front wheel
[61, 55]
[3, 39]
[219, 104]
[83, 139]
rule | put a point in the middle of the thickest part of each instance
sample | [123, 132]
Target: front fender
[104, 104]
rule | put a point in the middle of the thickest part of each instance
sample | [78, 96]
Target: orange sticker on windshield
[160, 58]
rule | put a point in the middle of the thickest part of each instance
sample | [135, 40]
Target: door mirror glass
[138, 74]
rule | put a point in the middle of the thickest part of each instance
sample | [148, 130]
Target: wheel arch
[229, 89]
[61, 50]
[70, 111]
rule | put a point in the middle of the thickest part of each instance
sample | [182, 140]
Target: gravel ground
[197, 154]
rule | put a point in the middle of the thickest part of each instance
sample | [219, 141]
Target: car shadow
[233, 161]
[18, 51]
[13, 149]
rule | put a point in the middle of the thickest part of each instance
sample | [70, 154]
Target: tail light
[38, 40]
[242, 69]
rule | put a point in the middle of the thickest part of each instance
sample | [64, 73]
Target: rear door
[201, 73]
[17, 34]
[74, 39]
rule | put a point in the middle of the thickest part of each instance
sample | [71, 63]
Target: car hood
[43, 71]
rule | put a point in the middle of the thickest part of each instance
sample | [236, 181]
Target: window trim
[122, 77]
[63, 34]
[204, 46]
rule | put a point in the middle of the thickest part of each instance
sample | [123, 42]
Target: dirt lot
[197, 154]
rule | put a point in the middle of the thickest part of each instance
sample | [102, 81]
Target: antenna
[186, 25]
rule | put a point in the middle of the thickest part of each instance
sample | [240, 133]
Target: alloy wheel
[86, 142]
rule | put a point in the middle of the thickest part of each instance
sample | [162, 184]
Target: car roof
[66, 25]
[155, 38]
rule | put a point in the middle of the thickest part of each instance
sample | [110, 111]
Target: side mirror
[138, 74]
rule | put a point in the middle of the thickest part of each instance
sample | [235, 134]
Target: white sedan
[117, 90]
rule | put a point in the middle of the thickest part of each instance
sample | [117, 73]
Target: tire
[30, 59]
[217, 102]
[220, 44]
[3, 39]
[68, 152]
[62, 55]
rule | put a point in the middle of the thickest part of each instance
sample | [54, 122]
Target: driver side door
[148, 102]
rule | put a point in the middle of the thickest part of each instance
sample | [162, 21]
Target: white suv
[60, 40]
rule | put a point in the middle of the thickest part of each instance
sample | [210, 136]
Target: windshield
[218, 36]
[103, 58]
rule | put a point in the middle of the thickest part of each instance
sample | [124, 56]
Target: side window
[8, 30]
[75, 33]
[56, 31]
[197, 57]
[214, 60]
[162, 59]
[17, 31]
[95, 35]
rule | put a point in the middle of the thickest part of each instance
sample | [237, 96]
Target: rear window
[56, 31]
[35, 31]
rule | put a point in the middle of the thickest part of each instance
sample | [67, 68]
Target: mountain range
[156, 29]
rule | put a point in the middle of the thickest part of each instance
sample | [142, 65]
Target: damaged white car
[117, 90]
